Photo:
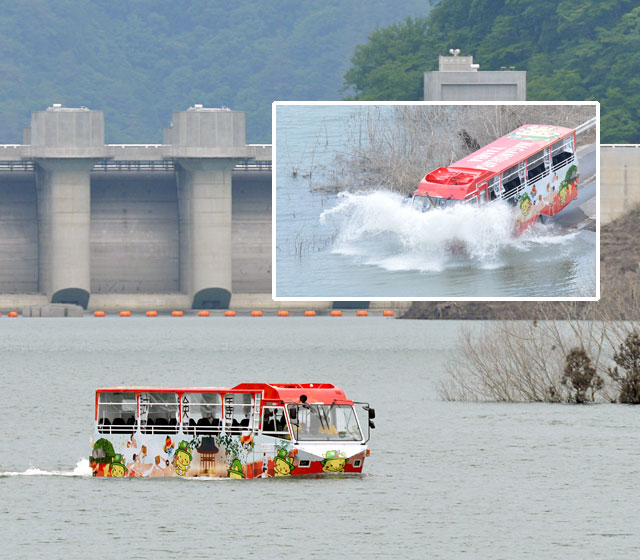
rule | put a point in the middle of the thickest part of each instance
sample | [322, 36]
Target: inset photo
[431, 201]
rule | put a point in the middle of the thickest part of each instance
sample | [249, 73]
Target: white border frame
[277, 104]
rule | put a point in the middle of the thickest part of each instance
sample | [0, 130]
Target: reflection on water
[444, 480]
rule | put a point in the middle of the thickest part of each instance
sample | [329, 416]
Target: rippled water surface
[372, 244]
[444, 480]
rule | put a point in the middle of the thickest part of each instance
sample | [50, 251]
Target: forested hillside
[572, 50]
[139, 60]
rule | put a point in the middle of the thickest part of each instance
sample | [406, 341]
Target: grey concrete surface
[204, 211]
[134, 233]
[132, 227]
[18, 234]
[251, 233]
[458, 79]
[53, 310]
[64, 209]
[620, 179]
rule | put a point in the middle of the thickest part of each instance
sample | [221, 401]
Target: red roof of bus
[286, 392]
[460, 178]
[512, 148]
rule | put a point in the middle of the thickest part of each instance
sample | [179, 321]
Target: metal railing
[563, 163]
[250, 165]
[586, 125]
[166, 166]
[16, 166]
[107, 165]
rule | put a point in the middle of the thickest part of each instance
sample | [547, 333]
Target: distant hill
[140, 60]
[572, 50]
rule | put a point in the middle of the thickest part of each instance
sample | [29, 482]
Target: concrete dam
[183, 224]
[179, 225]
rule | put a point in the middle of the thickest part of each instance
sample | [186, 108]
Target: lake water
[372, 244]
[444, 480]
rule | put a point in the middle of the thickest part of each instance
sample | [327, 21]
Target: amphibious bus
[252, 430]
[534, 168]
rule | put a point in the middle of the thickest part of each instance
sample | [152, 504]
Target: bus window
[537, 166]
[562, 152]
[482, 193]
[117, 413]
[159, 413]
[202, 413]
[512, 179]
[494, 187]
[238, 412]
[274, 422]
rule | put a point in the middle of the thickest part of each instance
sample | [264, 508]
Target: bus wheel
[542, 219]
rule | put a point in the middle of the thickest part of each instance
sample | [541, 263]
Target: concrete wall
[251, 232]
[134, 233]
[67, 127]
[619, 180]
[18, 233]
[475, 86]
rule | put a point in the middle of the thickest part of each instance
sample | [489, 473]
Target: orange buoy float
[152, 313]
[310, 313]
[336, 313]
[12, 314]
[177, 313]
[256, 313]
[99, 313]
[203, 313]
[362, 313]
[125, 313]
[283, 313]
[229, 313]
[387, 313]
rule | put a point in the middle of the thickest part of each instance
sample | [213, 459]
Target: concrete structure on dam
[458, 79]
[182, 224]
[619, 180]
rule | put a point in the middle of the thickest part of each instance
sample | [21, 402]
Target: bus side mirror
[372, 413]
[371, 424]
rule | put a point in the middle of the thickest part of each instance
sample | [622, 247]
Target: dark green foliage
[140, 61]
[580, 376]
[627, 357]
[102, 452]
[572, 50]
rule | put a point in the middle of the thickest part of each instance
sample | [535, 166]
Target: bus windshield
[324, 422]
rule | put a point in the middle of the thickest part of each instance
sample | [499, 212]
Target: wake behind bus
[252, 430]
[534, 169]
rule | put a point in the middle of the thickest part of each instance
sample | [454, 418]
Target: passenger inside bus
[562, 151]
[116, 413]
[202, 412]
[159, 413]
[511, 181]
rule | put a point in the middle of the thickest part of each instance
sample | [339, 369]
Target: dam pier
[183, 224]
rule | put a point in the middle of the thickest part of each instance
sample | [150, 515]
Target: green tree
[572, 50]
[627, 357]
[580, 376]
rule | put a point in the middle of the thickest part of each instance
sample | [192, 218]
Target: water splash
[82, 468]
[381, 228]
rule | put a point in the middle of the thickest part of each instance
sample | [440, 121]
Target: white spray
[382, 228]
[82, 468]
